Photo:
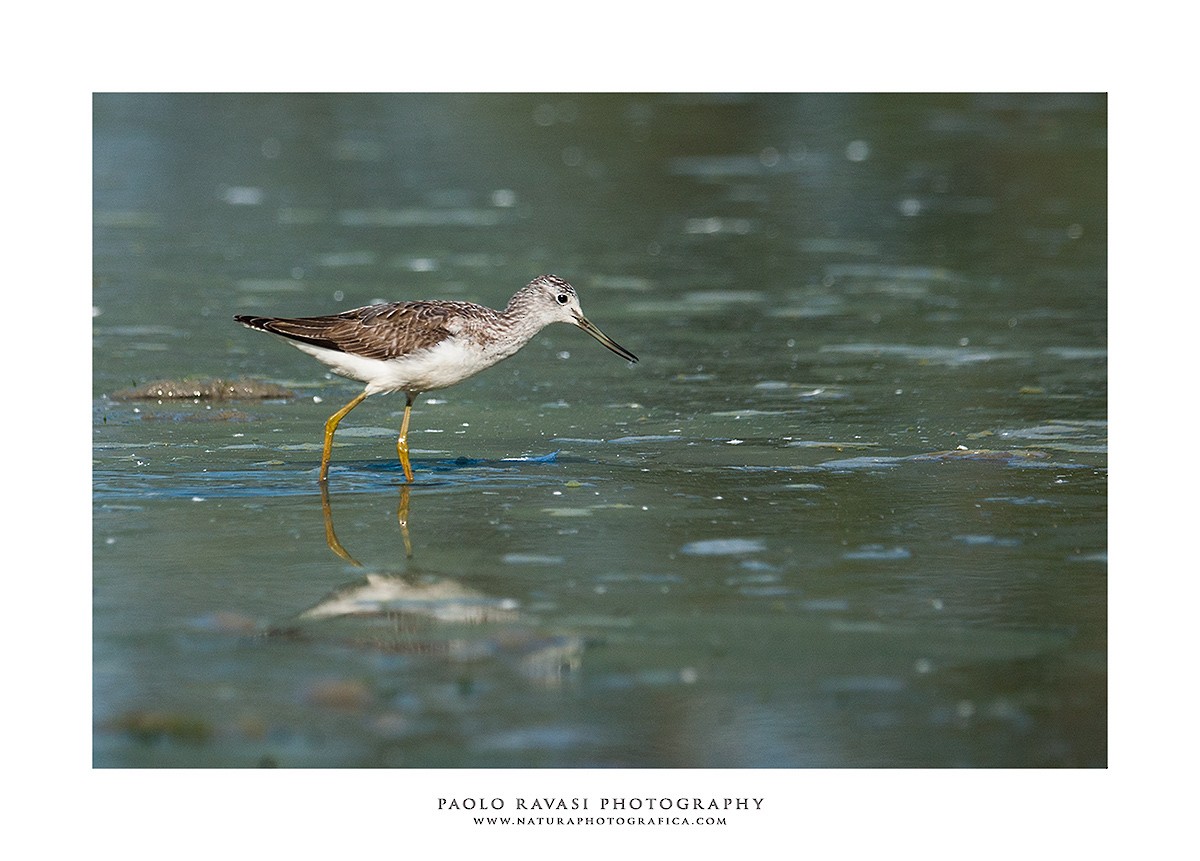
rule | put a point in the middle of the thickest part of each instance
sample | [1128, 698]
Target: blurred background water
[848, 510]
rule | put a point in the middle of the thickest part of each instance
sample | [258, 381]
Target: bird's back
[384, 331]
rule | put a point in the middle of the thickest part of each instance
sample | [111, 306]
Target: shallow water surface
[849, 509]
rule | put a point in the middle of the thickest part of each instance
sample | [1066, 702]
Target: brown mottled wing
[375, 331]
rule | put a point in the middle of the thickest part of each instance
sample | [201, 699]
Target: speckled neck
[523, 315]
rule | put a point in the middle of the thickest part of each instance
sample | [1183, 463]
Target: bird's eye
[562, 298]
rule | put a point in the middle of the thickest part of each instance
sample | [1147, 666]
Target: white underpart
[450, 362]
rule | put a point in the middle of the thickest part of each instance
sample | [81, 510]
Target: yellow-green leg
[330, 427]
[402, 441]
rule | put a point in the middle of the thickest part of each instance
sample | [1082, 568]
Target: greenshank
[416, 347]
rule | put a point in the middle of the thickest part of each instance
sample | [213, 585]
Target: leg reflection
[402, 517]
[331, 536]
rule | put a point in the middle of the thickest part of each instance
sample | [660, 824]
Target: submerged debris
[208, 415]
[149, 726]
[342, 694]
[985, 454]
[214, 390]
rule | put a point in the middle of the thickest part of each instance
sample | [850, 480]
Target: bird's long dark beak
[583, 323]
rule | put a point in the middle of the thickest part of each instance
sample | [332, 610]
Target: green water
[849, 509]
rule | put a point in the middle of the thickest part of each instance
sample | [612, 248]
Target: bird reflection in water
[426, 613]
